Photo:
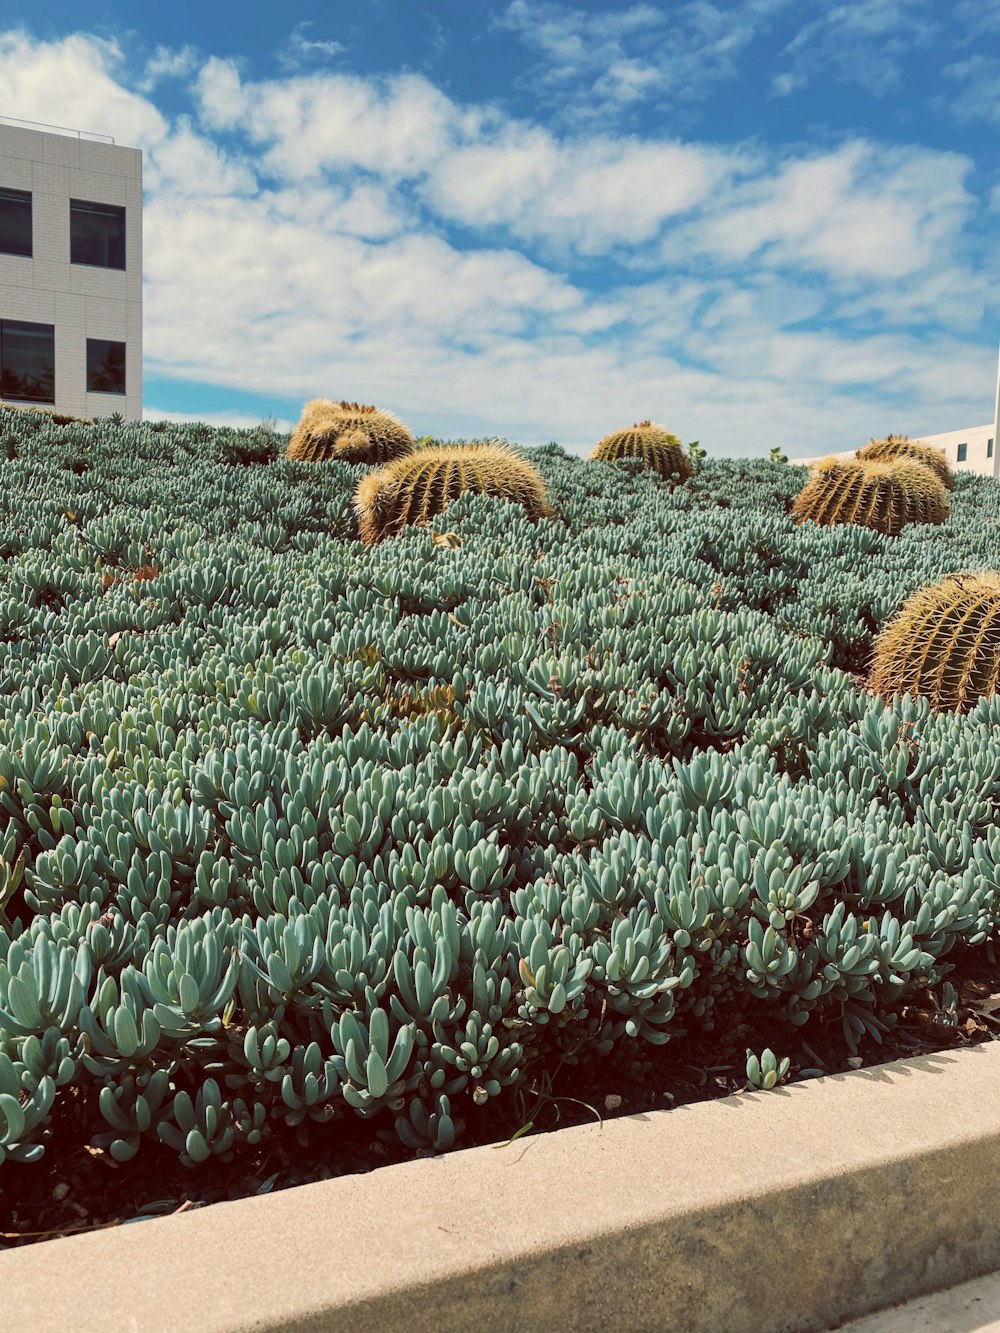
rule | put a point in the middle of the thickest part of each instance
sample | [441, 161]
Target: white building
[973, 449]
[70, 271]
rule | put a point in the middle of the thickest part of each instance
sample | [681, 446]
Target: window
[989, 448]
[15, 223]
[27, 361]
[96, 234]
[105, 366]
[963, 452]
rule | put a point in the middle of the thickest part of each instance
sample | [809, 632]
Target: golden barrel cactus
[901, 446]
[944, 644]
[418, 487]
[659, 450]
[883, 496]
[348, 433]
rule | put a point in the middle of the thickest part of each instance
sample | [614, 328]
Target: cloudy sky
[757, 222]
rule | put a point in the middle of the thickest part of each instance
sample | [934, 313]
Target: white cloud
[975, 19]
[299, 49]
[76, 82]
[857, 212]
[596, 62]
[186, 163]
[375, 239]
[784, 84]
[233, 418]
[167, 63]
[314, 123]
[473, 165]
[860, 41]
[977, 92]
[591, 193]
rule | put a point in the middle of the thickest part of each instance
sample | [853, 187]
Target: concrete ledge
[787, 1210]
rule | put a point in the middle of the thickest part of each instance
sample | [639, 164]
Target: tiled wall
[81, 302]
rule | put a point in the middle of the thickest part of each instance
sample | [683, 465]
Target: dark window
[96, 234]
[15, 223]
[27, 362]
[989, 448]
[105, 366]
[963, 450]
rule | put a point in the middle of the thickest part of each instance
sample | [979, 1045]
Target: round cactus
[659, 450]
[882, 496]
[901, 446]
[944, 644]
[416, 488]
[348, 433]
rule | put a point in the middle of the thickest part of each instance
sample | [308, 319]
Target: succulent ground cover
[311, 847]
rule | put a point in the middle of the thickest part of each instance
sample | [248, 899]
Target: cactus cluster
[660, 451]
[348, 433]
[298, 832]
[883, 496]
[417, 488]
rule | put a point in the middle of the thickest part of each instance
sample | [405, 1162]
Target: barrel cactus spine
[660, 451]
[901, 446]
[348, 433]
[884, 496]
[943, 644]
[416, 488]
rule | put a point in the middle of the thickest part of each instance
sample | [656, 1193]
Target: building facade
[70, 271]
[973, 449]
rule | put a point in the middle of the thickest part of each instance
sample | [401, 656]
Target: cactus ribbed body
[348, 433]
[882, 496]
[659, 450]
[901, 446]
[420, 486]
[944, 644]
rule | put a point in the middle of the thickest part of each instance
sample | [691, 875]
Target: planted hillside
[299, 833]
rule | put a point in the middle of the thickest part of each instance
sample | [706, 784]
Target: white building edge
[70, 271]
[973, 449]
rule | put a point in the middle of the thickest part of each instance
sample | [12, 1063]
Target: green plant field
[295, 830]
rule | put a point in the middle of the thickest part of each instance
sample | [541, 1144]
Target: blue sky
[757, 222]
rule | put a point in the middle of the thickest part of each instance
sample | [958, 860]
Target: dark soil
[76, 1188]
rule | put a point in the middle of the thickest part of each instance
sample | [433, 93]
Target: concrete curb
[787, 1210]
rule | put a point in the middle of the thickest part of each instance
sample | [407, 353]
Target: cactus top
[421, 485]
[901, 446]
[880, 495]
[659, 450]
[349, 433]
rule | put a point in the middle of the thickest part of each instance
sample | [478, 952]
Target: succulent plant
[766, 1071]
[46, 414]
[901, 446]
[420, 486]
[659, 450]
[884, 496]
[348, 433]
[294, 836]
[943, 644]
